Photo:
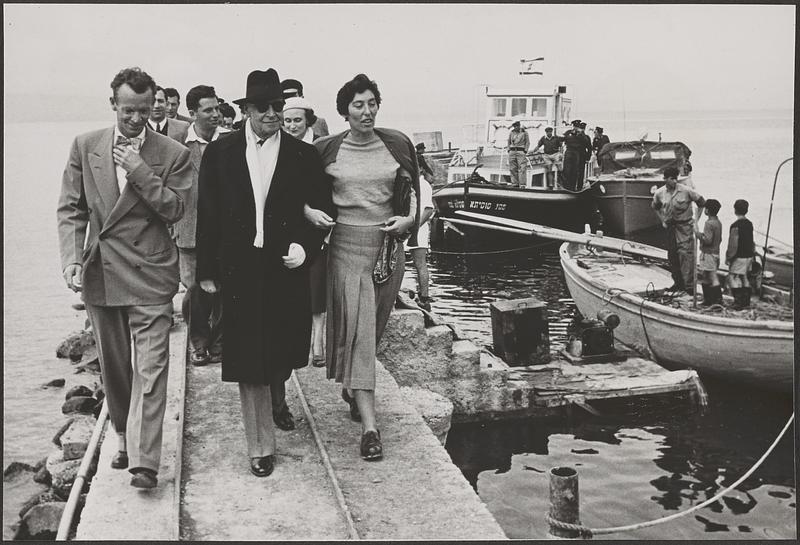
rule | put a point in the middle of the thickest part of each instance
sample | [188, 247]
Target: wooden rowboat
[731, 345]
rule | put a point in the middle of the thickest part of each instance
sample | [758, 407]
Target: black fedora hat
[262, 87]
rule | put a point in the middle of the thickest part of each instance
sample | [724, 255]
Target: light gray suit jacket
[128, 257]
[177, 129]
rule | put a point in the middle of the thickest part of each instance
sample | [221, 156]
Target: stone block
[465, 359]
[62, 473]
[75, 345]
[55, 383]
[75, 440]
[79, 404]
[435, 409]
[36, 499]
[15, 468]
[41, 521]
[79, 390]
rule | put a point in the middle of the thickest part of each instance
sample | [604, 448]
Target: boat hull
[625, 204]
[553, 208]
[759, 353]
[782, 270]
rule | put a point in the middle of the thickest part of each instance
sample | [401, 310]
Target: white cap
[297, 102]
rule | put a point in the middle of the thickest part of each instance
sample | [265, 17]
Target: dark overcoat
[266, 306]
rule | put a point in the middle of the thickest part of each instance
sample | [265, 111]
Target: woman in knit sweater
[363, 164]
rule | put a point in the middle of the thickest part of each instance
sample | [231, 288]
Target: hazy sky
[427, 59]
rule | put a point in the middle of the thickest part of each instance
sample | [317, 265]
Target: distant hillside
[42, 107]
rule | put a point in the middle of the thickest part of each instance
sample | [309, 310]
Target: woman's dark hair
[358, 84]
[713, 206]
[136, 78]
[741, 207]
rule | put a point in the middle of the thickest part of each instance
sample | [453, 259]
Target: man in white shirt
[174, 128]
[201, 310]
[419, 254]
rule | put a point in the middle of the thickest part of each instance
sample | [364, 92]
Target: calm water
[669, 460]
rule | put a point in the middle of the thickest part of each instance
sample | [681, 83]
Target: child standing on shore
[708, 262]
[739, 257]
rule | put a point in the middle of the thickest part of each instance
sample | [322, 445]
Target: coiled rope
[588, 533]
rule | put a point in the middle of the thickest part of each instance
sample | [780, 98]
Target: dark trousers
[573, 170]
[680, 253]
[202, 312]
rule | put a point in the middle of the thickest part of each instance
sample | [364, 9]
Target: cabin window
[519, 106]
[459, 177]
[663, 154]
[537, 180]
[494, 177]
[499, 107]
[539, 107]
[625, 154]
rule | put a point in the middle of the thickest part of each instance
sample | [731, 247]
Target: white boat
[731, 346]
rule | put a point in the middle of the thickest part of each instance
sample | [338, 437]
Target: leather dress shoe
[262, 467]
[119, 460]
[144, 478]
[371, 446]
[284, 419]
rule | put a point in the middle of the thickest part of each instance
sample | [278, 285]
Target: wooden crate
[519, 331]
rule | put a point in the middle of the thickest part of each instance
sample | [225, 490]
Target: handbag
[401, 205]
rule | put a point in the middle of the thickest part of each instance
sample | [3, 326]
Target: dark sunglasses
[262, 107]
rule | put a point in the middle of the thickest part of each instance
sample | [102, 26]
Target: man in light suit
[253, 244]
[126, 184]
[159, 122]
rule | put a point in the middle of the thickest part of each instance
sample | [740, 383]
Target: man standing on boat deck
[577, 149]
[600, 140]
[126, 184]
[518, 144]
[174, 128]
[551, 147]
[673, 202]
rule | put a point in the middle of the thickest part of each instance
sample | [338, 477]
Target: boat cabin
[535, 109]
[644, 158]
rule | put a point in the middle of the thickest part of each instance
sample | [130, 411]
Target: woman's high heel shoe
[371, 447]
[355, 415]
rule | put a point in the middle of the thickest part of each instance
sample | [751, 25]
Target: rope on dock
[588, 533]
[326, 461]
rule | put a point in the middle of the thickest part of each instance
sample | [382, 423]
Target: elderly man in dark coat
[254, 244]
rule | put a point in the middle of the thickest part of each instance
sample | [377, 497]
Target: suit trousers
[201, 311]
[136, 389]
[257, 417]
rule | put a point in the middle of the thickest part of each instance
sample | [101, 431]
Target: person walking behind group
[252, 243]
[739, 256]
[201, 310]
[708, 262]
[293, 88]
[159, 122]
[578, 148]
[367, 166]
[173, 103]
[419, 252]
[126, 184]
[518, 144]
[673, 203]
[227, 112]
[551, 148]
[298, 118]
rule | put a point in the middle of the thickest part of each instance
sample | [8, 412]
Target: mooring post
[564, 503]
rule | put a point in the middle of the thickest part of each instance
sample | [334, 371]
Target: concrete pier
[326, 493]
